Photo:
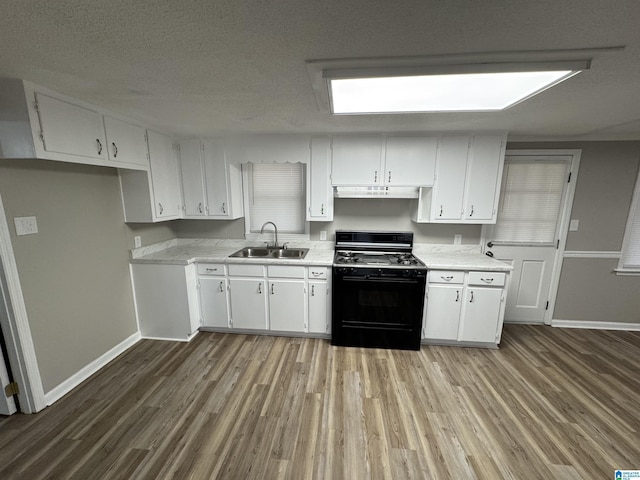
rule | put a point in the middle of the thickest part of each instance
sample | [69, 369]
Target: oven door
[378, 308]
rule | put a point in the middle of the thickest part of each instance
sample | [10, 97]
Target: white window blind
[276, 194]
[531, 200]
[631, 245]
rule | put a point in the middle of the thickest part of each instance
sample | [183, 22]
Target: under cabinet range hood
[375, 192]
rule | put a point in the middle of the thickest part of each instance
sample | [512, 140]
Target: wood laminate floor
[550, 404]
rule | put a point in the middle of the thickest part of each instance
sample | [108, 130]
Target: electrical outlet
[25, 225]
[137, 241]
[573, 225]
[457, 239]
[323, 234]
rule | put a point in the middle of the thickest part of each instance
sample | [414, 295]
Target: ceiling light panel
[466, 92]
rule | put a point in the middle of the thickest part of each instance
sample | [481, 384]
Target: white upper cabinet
[484, 174]
[164, 176]
[468, 177]
[125, 142]
[192, 175]
[40, 123]
[223, 182]
[404, 161]
[357, 161]
[410, 161]
[70, 129]
[452, 168]
[319, 190]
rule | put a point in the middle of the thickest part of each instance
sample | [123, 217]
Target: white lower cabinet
[318, 297]
[482, 315]
[465, 307]
[166, 300]
[248, 308]
[214, 299]
[287, 305]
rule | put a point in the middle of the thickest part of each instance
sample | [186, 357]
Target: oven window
[380, 303]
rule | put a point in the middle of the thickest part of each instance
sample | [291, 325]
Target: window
[531, 201]
[275, 193]
[630, 259]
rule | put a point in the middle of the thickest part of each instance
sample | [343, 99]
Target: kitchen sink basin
[262, 252]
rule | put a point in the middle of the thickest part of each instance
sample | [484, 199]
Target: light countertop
[185, 251]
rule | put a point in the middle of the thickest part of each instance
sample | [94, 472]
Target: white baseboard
[631, 327]
[169, 339]
[76, 379]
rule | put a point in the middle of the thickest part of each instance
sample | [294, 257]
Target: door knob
[490, 244]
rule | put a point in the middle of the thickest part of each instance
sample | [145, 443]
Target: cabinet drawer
[317, 272]
[446, 276]
[495, 279]
[210, 269]
[246, 270]
[285, 271]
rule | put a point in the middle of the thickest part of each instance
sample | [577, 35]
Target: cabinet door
[482, 315]
[213, 302]
[484, 173]
[70, 129]
[356, 161]
[125, 142]
[287, 306]
[451, 170]
[444, 303]
[192, 178]
[410, 161]
[164, 176]
[320, 194]
[248, 303]
[217, 185]
[318, 307]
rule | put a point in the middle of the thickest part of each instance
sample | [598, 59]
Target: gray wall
[589, 289]
[74, 272]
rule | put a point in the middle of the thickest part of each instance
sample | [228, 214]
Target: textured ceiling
[196, 67]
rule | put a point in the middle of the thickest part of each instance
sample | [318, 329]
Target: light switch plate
[137, 241]
[573, 225]
[323, 234]
[25, 225]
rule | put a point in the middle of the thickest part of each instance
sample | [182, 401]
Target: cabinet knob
[224, 208]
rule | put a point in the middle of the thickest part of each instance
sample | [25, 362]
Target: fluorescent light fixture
[442, 88]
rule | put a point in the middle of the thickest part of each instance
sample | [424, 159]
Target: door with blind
[527, 231]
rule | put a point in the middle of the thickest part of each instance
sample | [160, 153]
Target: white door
[164, 175]
[356, 161]
[7, 404]
[125, 142]
[528, 230]
[443, 312]
[318, 307]
[216, 179]
[482, 179]
[481, 316]
[450, 171]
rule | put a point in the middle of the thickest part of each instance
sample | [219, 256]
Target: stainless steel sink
[270, 252]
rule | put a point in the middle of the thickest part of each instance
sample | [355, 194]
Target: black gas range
[378, 290]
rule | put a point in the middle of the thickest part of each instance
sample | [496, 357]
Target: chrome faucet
[275, 230]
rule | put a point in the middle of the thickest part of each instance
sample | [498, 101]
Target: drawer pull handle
[212, 269]
[487, 280]
[448, 278]
[316, 274]
[471, 297]
[259, 288]
[313, 290]
[221, 289]
[457, 295]
[272, 289]
[99, 146]
[115, 149]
